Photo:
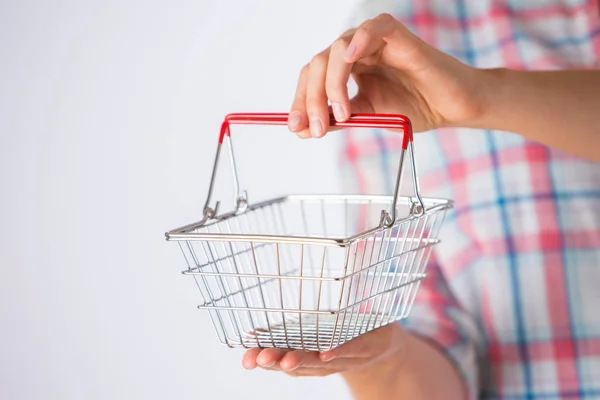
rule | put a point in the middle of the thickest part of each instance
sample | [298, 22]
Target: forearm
[422, 372]
[560, 109]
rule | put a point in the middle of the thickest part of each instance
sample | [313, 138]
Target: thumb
[360, 347]
[361, 105]
[358, 105]
[370, 345]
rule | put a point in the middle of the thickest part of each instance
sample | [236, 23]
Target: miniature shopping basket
[310, 272]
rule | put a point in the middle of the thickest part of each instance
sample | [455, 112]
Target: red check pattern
[513, 293]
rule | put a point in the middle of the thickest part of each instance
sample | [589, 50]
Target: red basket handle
[383, 121]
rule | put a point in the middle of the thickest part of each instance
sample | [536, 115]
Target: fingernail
[270, 365]
[326, 357]
[350, 51]
[294, 120]
[263, 364]
[338, 112]
[316, 129]
[295, 367]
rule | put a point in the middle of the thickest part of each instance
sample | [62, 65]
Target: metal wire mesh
[304, 292]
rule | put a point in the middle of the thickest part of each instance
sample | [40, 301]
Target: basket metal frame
[235, 304]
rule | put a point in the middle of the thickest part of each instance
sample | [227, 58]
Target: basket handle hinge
[416, 208]
[210, 212]
[241, 202]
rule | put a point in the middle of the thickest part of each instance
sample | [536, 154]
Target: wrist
[380, 374]
[376, 381]
[384, 369]
[494, 87]
[416, 370]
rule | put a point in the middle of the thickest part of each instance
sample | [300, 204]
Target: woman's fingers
[305, 372]
[301, 360]
[379, 343]
[385, 40]
[325, 78]
[269, 357]
[298, 358]
[297, 119]
[338, 73]
[298, 362]
[249, 359]
[368, 40]
[264, 358]
[316, 96]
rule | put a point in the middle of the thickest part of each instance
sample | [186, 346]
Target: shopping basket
[310, 272]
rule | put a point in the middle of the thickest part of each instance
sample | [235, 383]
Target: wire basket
[310, 272]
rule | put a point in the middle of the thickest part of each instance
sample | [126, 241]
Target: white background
[109, 115]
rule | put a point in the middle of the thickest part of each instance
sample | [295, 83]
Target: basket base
[313, 332]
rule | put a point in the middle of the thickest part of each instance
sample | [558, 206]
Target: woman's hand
[379, 350]
[387, 363]
[396, 73]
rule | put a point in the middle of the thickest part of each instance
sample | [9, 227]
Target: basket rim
[185, 232]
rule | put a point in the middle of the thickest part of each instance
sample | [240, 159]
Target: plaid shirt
[513, 293]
